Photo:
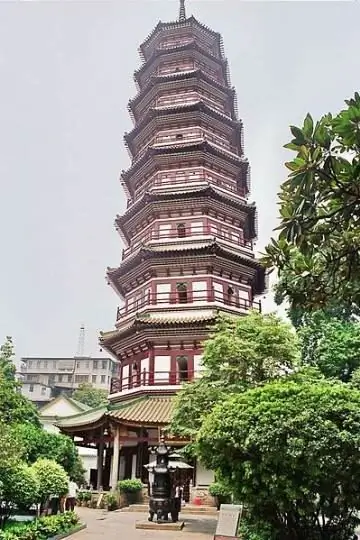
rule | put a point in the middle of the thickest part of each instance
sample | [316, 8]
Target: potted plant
[131, 489]
[80, 498]
[221, 494]
[86, 498]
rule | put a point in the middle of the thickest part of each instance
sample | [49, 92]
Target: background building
[45, 378]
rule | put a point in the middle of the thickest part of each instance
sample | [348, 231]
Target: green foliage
[241, 353]
[130, 486]
[254, 530]
[42, 528]
[39, 443]
[53, 480]
[317, 253]
[14, 408]
[291, 453]
[331, 344]
[93, 397]
[218, 489]
[111, 502]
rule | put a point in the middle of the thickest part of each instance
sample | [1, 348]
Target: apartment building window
[29, 364]
[69, 377]
[104, 364]
[45, 363]
[51, 379]
[87, 364]
[38, 363]
[95, 364]
[78, 364]
[103, 379]
[43, 390]
[31, 388]
[81, 378]
[93, 379]
[60, 378]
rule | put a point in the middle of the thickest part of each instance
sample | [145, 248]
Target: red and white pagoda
[188, 231]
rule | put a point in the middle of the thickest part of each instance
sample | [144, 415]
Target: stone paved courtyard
[115, 525]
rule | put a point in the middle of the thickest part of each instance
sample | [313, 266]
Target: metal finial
[182, 12]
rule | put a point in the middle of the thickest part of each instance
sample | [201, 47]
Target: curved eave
[200, 106]
[212, 247]
[161, 26]
[179, 76]
[191, 46]
[140, 322]
[184, 149]
[198, 192]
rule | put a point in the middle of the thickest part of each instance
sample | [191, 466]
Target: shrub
[42, 528]
[112, 502]
[130, 486]
[217, 489]
[53, 480]
[19, 489]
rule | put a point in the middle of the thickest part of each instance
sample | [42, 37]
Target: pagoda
[188, 230]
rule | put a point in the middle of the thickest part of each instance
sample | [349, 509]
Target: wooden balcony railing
[185, 298]
[187, 234]
[189, 180]
[151, 378]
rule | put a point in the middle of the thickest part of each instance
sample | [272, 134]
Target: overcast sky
[65, 80]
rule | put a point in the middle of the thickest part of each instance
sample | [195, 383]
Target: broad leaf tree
[291, 453]
[317, 253]
[89, 395]
[242, 352]
[14, 407]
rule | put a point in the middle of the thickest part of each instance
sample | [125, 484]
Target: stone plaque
[228, 522]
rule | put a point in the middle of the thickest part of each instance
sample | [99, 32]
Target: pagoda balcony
[152, 381]
[203, 232]
[183, 137]
[189, 180]
[183, 300]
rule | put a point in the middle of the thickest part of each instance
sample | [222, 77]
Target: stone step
[187, 509]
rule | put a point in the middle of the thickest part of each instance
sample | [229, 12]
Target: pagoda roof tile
[149, 410]
[155, 80]
[190, 21]
[194, 192]
[200, 106]
[185, 149]
[192, 45]
[141, 321]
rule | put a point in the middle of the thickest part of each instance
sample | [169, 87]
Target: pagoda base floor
[160, 526]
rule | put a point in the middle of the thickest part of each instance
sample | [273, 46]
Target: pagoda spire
[182, 12]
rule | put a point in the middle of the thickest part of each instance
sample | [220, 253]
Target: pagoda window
[230, 295]
[179, 136]
[181, 230]
[182, 293]
[182, 366]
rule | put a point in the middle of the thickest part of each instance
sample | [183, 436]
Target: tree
[291, 454]
[330, 344]
[14, 408]
[39, 443]
[241, 353]
[317, 253]
[93, 397]
[52, 478]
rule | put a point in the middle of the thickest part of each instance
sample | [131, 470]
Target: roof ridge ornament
[182, 12]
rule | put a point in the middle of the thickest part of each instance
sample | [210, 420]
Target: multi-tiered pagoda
[188, 231]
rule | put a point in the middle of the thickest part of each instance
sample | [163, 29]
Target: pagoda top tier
[167, 34]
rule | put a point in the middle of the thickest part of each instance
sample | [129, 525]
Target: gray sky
[65, 80]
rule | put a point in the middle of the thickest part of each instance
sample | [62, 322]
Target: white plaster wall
[121, 468]
[218, 291]
[198, 367]
[204, 477]
[162, 364]
[199, 291]
[163, 292]
[133, 467]
[89, 462]
[125, 375]
[244, 295]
